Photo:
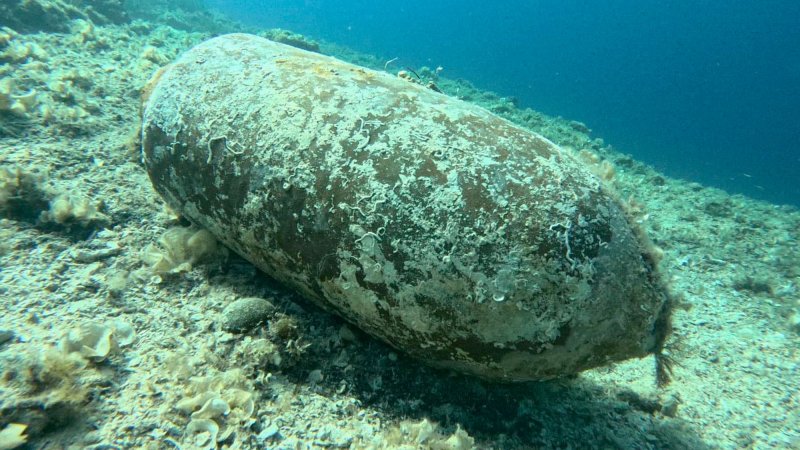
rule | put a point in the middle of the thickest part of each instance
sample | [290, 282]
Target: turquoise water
[704, 90]
[122, 325]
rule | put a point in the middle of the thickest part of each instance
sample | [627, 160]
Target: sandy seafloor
[79, 250]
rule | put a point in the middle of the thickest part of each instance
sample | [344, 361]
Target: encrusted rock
[55, 15]
[246, 313]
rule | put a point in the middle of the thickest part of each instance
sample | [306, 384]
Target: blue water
[703, 90]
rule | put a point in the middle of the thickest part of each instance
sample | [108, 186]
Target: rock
[28, 16]
[6, 336]
[245, 314]
[289, 38]
[428, 222]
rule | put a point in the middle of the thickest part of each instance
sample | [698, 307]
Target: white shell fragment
[123, 333]
[202, 433]
[214, 407]
[96, 341]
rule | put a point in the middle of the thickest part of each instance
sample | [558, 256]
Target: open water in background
[703, 90]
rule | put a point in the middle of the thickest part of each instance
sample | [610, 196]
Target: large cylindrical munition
[440, 228]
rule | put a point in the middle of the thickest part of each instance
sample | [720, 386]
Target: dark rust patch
[428, 170]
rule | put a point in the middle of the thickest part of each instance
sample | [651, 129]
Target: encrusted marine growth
[444, 230]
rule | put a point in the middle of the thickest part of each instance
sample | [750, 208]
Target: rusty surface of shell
[440, 228]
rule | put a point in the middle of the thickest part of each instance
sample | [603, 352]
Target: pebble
[245, 314]
[6, 336]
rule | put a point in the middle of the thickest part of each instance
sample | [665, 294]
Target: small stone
[6, 336]
[270, 432]
[315, 376]
[245, 314]
[670, 406]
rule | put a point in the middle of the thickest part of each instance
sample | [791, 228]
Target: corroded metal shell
[428, 222]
